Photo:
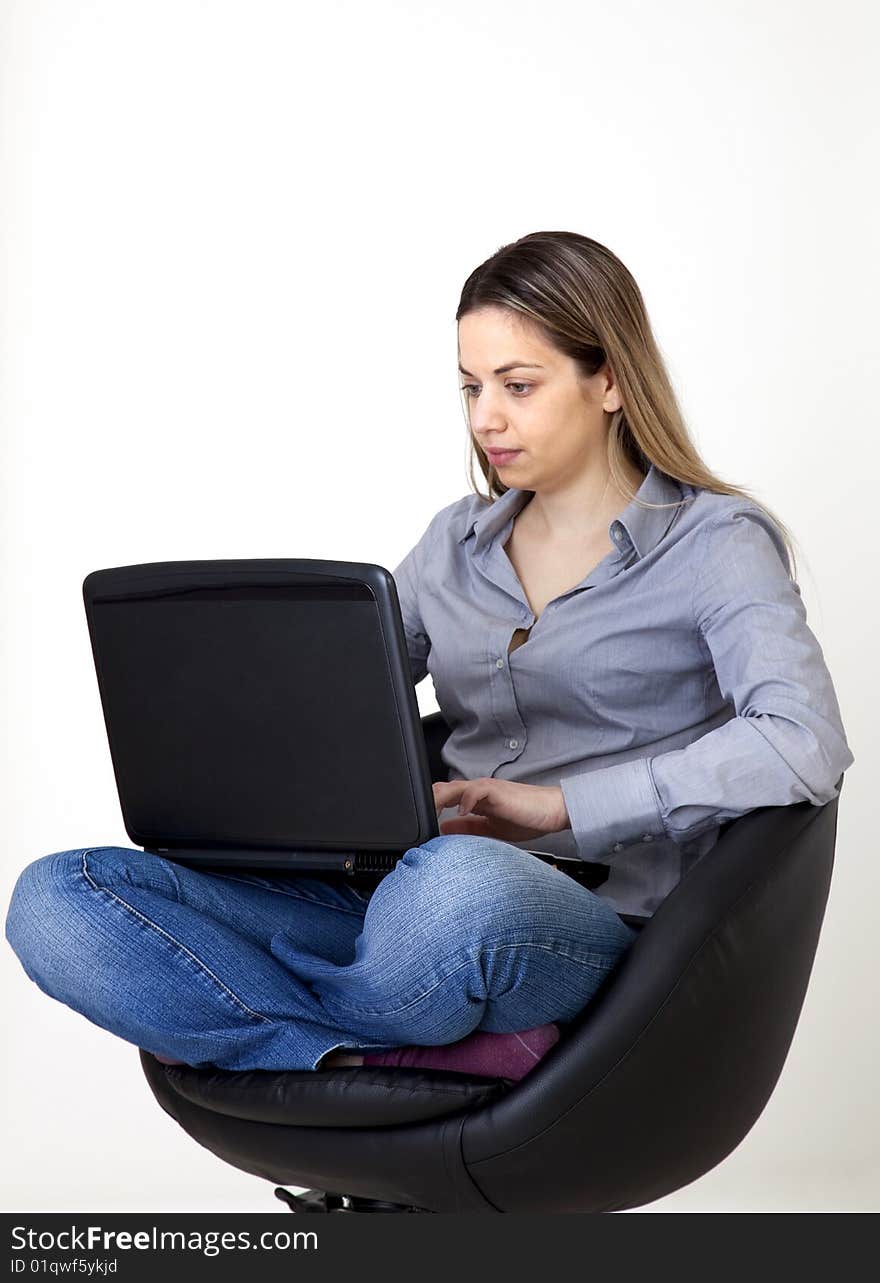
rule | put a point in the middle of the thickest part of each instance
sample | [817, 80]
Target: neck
[580, 509]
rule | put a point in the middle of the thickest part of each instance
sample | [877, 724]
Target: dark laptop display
[261, 713]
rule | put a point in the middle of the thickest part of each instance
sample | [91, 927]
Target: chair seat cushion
[344, 1097]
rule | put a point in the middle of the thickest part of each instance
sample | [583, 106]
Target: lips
[501, 456]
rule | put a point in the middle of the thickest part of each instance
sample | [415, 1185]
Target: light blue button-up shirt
[676, 687]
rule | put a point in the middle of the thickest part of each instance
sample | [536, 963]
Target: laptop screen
[266, 715]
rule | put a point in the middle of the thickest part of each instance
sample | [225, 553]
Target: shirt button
[499, 663]
[647, 837]
[616, 534]
[618, 846]
[513, 743]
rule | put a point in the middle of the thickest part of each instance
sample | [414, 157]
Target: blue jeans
[273, 970]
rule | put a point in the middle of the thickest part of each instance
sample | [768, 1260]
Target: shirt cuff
[613, 807]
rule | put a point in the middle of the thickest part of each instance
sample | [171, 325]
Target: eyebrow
[502, 369]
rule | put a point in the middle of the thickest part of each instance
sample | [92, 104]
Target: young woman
[621, 651]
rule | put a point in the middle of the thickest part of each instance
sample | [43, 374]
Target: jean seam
[394, 1011]
[294, 895]
[155, 926]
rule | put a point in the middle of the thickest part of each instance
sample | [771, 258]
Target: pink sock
[166, 1060]
[485, 1054]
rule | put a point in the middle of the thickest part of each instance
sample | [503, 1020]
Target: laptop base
[351, 862]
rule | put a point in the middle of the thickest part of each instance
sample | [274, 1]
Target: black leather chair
[654, 1083]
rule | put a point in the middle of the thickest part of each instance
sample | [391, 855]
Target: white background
[234, 241]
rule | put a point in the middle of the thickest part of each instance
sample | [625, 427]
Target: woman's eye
[468, 388]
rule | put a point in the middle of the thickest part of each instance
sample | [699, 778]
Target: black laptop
[261, 713]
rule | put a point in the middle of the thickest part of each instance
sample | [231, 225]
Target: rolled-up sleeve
[786, 742]
[406, 579]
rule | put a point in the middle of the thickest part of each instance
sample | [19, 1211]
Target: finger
[473, 794]
[448, 792]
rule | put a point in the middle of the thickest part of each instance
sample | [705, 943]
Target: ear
[611, 400]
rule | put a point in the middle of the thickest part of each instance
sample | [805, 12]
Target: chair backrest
[672, 1062]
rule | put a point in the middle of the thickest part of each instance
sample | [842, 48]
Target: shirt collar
[644, 527]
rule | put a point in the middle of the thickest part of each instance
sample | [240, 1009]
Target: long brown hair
[588, 306]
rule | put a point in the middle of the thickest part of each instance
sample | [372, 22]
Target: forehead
[500, 332]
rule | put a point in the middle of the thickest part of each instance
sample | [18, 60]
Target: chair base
[315, 1200]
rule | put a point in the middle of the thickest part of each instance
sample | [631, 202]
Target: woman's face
[542, 406]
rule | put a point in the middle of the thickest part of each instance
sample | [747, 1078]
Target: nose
[486, 418]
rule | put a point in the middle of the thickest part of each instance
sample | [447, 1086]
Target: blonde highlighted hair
[588, 306]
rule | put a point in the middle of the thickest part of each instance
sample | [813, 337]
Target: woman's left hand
[502, 808]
